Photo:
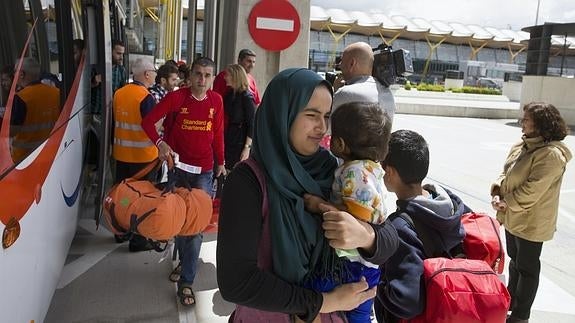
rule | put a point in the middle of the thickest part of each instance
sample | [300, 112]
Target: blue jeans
[362, 313]
[353, 273]
[189, 246]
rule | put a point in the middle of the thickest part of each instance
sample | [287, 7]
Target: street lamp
[537, 13]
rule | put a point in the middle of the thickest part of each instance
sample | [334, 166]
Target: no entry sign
[274, 24]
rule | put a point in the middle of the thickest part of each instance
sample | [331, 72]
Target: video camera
[331, 76]
[388, 64]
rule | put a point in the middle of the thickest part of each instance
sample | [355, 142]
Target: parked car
[487, 82]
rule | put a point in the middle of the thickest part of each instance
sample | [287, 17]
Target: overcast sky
[514, 14]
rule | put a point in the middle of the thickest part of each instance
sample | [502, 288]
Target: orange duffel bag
[138, 206]
[199, 210]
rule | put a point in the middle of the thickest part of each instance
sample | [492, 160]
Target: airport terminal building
[477, 51]
[435, 46]
[536, 63]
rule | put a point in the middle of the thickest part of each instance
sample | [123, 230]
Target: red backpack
[463, 290]
[482, 240]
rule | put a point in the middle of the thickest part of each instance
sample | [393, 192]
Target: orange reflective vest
[131, 144]
[42, 110]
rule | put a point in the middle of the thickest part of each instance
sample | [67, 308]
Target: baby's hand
[312, 203]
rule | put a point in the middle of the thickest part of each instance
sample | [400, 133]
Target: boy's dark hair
[165, 71]
[204, 62]
[409, 155]
[245, 53]
[364, 127]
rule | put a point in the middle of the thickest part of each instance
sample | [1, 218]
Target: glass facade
[488, 62]
[324, 49]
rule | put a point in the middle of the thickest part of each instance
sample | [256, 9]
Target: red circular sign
[274, 24]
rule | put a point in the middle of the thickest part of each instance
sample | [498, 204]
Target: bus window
[36, 105]
[34, 101]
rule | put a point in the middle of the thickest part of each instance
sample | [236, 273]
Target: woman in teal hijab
[266, 264]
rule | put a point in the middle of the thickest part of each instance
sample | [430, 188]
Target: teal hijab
[299, 249]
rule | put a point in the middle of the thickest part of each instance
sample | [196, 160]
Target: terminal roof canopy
[367, 23]
[378, 23]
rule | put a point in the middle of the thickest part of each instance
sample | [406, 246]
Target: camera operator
[358, 83]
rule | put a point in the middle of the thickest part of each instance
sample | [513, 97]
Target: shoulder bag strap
[264, 247]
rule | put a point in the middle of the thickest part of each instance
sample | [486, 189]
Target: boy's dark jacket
[402, 291]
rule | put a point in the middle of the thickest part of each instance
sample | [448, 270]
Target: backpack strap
[264, 247]
[122, 234]
[426, 240]
[421, 234]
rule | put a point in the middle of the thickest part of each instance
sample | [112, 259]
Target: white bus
[43, 187]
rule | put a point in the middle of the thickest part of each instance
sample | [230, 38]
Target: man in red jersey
[196, 135]
[247, 59]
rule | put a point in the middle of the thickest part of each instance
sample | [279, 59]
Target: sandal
[186, 295]
[175, 274]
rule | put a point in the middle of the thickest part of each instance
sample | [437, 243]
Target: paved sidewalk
[455, 105]
[103, 283]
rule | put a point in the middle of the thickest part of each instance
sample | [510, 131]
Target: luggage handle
[170, 185]
[144, 171]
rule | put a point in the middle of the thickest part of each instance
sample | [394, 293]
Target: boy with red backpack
[422, 282]
[432, 209]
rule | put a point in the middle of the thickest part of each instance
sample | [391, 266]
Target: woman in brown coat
[526, 198]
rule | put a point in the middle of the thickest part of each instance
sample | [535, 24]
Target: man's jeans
[189, 246]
